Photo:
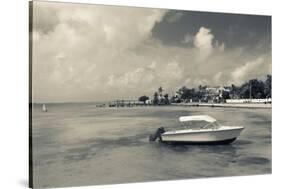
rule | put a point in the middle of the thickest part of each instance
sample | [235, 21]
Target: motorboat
[208, 131]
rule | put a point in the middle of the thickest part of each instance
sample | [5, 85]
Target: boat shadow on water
[230, 153]
[205, 147]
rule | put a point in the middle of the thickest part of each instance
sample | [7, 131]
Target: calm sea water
[79, 144]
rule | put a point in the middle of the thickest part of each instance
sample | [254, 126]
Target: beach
[79, 144]
[227, 105]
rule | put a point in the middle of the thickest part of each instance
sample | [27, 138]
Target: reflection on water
[78, 144]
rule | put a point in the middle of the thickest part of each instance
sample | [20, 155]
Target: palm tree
[267, 87]
[155, 99]
[166, 96]
[160, 90]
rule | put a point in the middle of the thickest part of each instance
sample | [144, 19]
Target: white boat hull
[224, 134]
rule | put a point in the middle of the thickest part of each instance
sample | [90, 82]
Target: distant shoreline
[226, 105]
[182, 104]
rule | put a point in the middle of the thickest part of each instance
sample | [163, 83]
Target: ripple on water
[253, 160]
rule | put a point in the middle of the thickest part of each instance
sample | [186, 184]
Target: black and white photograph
[122, 94]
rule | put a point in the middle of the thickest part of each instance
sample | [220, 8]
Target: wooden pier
[126, 103]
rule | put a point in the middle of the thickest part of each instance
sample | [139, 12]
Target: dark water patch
[264, 137]
[119, 142]
[50, 162]
[92, 147]
[80, 154]
[43, 159]
[46, 137]
[260, 117]
[79, 150]
[85, 152]
[268, 142]
[131, 131]
[261, 123]
[243, 142]
[135, 139]
[268, 170]
[253, 160]
[232, 161]
[261, 138]
[225, 151]
[218, 149]
[180, 175]
[47, 158]
[178, 148]
[44, 141]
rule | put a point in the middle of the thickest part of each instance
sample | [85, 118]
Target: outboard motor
[157, 134]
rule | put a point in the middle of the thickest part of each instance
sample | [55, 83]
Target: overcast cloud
[96, 53]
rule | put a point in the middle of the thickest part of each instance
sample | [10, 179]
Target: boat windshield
[200, 124]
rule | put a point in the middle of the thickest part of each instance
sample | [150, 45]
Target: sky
[83, 52]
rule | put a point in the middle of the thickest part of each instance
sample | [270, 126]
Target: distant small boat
[44, 108]
[210, 133]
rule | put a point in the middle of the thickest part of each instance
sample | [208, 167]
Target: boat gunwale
[190, 131]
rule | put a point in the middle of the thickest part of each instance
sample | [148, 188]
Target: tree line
[158, 98]
[253, 88]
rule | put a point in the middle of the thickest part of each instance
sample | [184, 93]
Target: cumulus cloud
[94, 52]
[249, 70]
[148, 78]
[173, 70]
[75, 45]
[203, 41]
[130, 79]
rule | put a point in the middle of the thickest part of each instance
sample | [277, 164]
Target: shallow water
[79, 144]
